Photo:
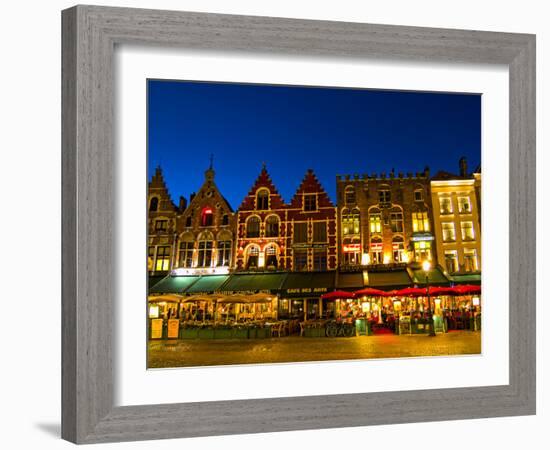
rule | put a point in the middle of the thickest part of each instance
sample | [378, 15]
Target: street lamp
[426, 266]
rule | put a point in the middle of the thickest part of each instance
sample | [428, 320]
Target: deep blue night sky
[291, 129]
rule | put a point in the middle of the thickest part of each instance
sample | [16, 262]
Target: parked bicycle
[336, 328]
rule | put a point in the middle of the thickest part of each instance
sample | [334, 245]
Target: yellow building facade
[456, 213]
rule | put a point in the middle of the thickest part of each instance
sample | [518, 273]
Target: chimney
[183, 203]
[463, 165]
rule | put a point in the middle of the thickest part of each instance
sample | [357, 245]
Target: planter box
[189, 333]
[252, 333]
[263, 333]
[240, 333]
[315, 332]
[206, 333]
[223, 333]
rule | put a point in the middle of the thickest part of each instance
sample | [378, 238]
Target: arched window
[375, 221]
[205, 250]
[271, 256]
[154, 204]
[207, 216]
[350, 222]
[396, 220]
[187, 245]
[376, 250]
[351, 251]
[272, 226]
[262, 199]
[224, 248]
[398, 250]
[253, 227]
[252, 256]
[349, 195]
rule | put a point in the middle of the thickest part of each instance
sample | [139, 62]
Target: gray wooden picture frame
[90, 34]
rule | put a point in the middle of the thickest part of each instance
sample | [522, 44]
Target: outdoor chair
[277, 328]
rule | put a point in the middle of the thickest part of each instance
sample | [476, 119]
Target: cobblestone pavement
[186, 353]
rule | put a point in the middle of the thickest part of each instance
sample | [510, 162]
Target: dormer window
[207, 217]
[262, 199]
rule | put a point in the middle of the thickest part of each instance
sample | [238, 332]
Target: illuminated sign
[200, 271]
[422, 237]
[352, 248]
[306, 290]
[377, 247]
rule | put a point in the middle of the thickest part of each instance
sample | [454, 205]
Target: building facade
[456, 206]
[262, 228]
[161, 226]
[384, 220]
[206, 231]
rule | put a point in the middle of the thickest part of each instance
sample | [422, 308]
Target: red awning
[371, 292]
[442, 290]
[411, 292]
[336, 295]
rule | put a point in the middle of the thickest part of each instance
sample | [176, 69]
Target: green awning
[350, 280]
[207, 284]
[244, 282]
[388, 279]
[435, 276]
[470, 278]
[308, 284]
[154, 279]
[173, 284]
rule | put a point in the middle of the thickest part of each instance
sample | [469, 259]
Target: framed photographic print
[317, 224]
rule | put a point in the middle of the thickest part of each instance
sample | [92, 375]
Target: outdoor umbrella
[337, 295]
[370, 292]
[260, 298]
[467, 289]
[442, 290]
[411, 292]
[165, 298]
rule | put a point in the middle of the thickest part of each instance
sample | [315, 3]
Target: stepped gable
[157, 187]
[263, 181]
[311, 185]
[209, 193]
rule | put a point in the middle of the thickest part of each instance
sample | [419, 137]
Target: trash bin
[361, 326]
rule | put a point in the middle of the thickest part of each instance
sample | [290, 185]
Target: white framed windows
[464, 205]
[470, 260]
[262, 199]
[445, 205]
[451, 261]
[467, 229]
[253, 227]
[448, 231]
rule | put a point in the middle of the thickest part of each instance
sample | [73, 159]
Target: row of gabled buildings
[381, 225]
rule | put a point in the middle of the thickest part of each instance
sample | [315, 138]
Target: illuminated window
[186, 254]
[467, 231]
[418, 195]
[420, 221]
[207, 217]
[464, 206]
[253, 227]
[375, 222]
[300, 260]
[384, 196]
[445, 205]
[205, 254]
[262, 200]
[398, 250]
[351, 252]
[350, 222]
[448, 229]
[319, 232]
[300, 232]
[422, 251]
[376, 256]
[451, 261]
[154, 204]
[349, 195]
[320, 259]
[151, 257]
[310, 202]
[272, 226]
[252, 257]
[161, 225]
[163, 258]
[271, 256]
[224, 253]
[470, 260]
[396, 222]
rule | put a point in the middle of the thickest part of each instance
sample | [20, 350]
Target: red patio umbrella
[370, 292]
[442, 290]
[411, 292]
[467, 289]
[335, 295]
